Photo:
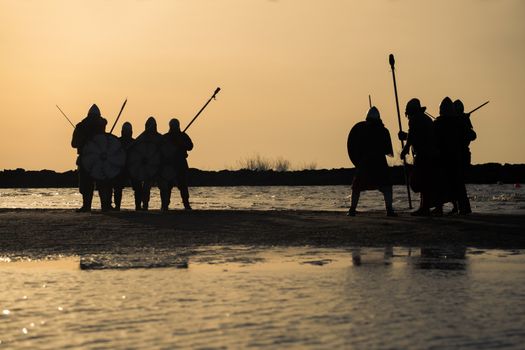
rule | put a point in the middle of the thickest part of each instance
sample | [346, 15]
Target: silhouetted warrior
[126, 140]
[90, 126]
[450, 141]
[467, 135]
[149, 135]
[105, 187]
[421, 139]
[181, 143]
[368, 143]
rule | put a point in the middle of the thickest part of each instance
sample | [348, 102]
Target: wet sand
[37, 232]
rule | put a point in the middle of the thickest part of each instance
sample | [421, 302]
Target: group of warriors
[440, 150]
[111, 163]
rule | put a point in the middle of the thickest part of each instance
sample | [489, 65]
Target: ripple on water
[269, 298]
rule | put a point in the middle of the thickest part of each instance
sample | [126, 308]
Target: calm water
[251, 297]
[484, 198]
[242, 297]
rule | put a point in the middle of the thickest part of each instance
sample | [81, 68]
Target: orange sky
[295, 74]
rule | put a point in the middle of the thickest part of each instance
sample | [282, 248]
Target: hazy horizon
[295, 75]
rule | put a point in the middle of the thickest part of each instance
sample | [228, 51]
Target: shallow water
[484, 198]
[240, 297]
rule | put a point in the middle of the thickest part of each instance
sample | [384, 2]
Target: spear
[65, 116]
[478, 107]
[199, 112]
[370, 101]
[392, 63]
[469, 113]
[119, 113]
[430, 115]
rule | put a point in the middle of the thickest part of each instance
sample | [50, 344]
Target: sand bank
[41, 232]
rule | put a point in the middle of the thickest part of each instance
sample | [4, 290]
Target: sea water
[241, 297]
[237, 297]
[484, 198]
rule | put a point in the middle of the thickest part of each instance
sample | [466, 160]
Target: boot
[86, 203]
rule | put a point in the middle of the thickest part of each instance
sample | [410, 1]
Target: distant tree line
[489, 173]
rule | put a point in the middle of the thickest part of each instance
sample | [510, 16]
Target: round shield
[144, 161]
[356, 139]
[103, 157]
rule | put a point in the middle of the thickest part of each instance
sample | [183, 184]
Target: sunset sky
[295, 74]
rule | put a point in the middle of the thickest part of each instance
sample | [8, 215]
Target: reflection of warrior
[178, 144]
[450, 258]
[126, 139]
[368, 144]
[144, 160]
[90, 126]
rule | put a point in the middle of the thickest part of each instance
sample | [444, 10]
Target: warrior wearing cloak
[93, 124]
[368, 144]
[177, 144]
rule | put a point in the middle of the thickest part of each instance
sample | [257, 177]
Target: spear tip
[391, 59]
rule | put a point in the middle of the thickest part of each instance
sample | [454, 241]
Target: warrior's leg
[388, 196]
[355, 199]
[185, 195]
[146, 190]
[86, 188]
[137, 193]
[165, 195]
[117, 193]
[182, 185]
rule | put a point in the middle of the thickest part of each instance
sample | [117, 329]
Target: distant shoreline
[489, 173]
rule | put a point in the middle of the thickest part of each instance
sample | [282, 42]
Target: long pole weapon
[478, 107]
[472, 111]
[119, 113]
[206, 104]
[369, 101]
[65, 116]
[430, 115]
[392, 63]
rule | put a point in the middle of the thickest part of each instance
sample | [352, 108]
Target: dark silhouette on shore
[90, 126]
[123, 179]
[176, 145]
[467, 136]
[451, 134]
[144, 161]
[421, 140]
[367, 145]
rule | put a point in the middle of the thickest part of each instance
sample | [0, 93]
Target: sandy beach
[39, 233]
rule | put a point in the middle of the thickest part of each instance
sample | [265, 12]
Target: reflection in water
[372, 257]
[452, 258]
[240, 297]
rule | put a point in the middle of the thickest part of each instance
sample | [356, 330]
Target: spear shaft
[203, 107]
[119, 113]
[392, 63]
[65, 116]
[478, 107]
